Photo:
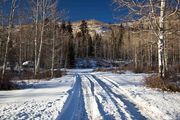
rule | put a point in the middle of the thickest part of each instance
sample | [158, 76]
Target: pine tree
[97, 46]
[90, 47]
[69, 28]
[63, 26]
[71, 52]
[84, 27]
[85, 38]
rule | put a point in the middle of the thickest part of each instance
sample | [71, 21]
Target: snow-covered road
[87, 95]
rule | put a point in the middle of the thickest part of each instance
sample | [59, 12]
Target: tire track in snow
[103, 96]
[89, 99]
[74, 107]
[103, 113]
[143, 105]
[130, 107]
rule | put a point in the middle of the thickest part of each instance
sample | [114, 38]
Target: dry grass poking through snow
[166, 84]
[6, 84]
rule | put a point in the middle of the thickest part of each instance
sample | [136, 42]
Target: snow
[26, 63]
[43, 101]
[154, 104]
[83, 94]
[74, 107]
[86, 63]
[90, 99]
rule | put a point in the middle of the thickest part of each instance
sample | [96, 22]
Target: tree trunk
[11, 16]
[135, 58]
[20, 48]
[40, 49]
[41, 37]
[53, 53]
[35, 39]
[161, 41]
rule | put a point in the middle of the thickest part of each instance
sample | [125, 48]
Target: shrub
[140, 68]
[28, 74]
[166, 84]
[47, 74]
[103, 69]
[6, 84]
[155, 82]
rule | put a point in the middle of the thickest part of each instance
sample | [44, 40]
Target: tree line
[35, 31]
[161, 16]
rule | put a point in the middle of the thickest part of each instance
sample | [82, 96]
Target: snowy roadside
[153, 103]
[44, 100]
[83, 94]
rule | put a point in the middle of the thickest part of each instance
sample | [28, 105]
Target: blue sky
[88, 9]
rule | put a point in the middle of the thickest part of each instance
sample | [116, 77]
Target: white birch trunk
[40, 49]
[135, 58]
[11, 16]
[161, 46]
[53, 51]
[20, 48]
[41, 37]
[36, 37]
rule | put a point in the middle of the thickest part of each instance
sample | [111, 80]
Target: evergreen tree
[63, 26]
[85, 38]
[97, 45]
[69, 27]
[84, 27]
[71, 57]
[90, 47]
[71, 52]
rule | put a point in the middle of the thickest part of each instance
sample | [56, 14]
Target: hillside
[94, 26]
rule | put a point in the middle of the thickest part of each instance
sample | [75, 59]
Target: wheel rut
[107, 97]
[74, 107]
[130, 107]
